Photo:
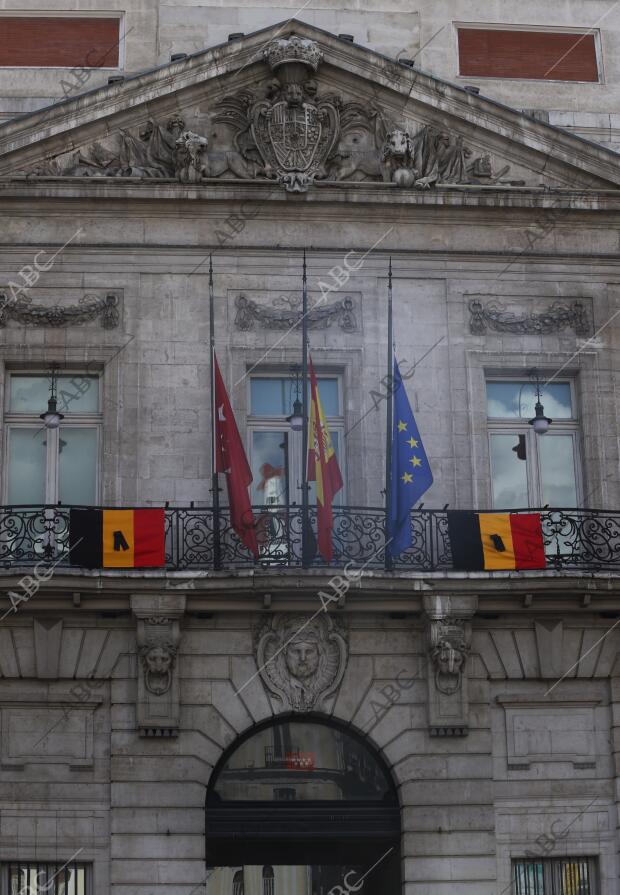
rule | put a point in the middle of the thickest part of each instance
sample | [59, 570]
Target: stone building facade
[482, 706]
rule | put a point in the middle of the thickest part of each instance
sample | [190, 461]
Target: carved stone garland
[23, 310]
[554, 319]
[250, 312]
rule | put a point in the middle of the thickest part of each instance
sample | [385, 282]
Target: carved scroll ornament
[90, 307]
[555, 319]
[250, 312]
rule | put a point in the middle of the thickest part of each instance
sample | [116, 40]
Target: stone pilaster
[448, 634]
[158, 635]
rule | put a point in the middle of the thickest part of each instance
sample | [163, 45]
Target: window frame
[272, 423]
[73, 420]
[546, 29]
[519, 426]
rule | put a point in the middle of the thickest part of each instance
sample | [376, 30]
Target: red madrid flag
[230, 459]
[323, 469]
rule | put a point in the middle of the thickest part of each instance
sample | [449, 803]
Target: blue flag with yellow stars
[410, 473]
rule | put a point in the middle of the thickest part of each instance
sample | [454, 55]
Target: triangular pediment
[298, 106]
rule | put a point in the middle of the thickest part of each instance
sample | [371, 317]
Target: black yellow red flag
[496, 541]
[117, 539]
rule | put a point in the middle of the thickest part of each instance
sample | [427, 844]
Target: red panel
[527, 540]
[149, 538]
[543, 55]
[59, 42]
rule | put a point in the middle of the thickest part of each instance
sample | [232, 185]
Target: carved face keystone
[302, 659]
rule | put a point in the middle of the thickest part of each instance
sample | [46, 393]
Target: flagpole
[304, 411]
[215, 488]
[389, 420]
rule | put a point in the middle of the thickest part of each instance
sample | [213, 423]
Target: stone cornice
[524, 594]
[227, 192]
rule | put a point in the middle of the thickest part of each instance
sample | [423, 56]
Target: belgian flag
[496, 541]
[117, 539]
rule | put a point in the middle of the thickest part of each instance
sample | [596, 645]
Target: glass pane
[274, 396]
[507, 400]
[75, 394]
[557, 469]
[27, 459]
[297, 760]
[269, 467]
[77, 466]
[328, 391]
[509, 470]
[267, 396]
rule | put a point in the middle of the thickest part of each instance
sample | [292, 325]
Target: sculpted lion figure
[193, 160]
[189, 157]
[158, 660]
[397, 154]
[393, 154]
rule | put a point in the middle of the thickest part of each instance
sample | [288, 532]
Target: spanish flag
[117, 539]
[496, 541]
[323, 469]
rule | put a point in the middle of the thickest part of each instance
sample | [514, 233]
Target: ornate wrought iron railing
[573, 538]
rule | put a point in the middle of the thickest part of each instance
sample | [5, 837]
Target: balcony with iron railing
[574, 539]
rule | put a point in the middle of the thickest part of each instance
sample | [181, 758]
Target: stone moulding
[555, 319]
[249, 313]
[90, 307]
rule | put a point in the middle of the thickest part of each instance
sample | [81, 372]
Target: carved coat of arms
[295, 136]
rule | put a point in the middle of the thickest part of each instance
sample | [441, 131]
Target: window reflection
[274, 395]
[301, 761]
[269, 467]
[509, 400]
[529, 469]
[557, 461]
[509, 471]
[29, 394]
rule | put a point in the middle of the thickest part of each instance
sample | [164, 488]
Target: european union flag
[410, 474]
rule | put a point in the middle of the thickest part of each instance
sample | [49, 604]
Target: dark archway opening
[308, 799]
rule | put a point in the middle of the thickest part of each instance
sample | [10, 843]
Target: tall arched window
[306, 802]
[237, 886]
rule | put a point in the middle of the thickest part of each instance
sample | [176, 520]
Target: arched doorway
[302, 806]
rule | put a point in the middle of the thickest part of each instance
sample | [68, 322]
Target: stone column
[158, 635]
[448, 634]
